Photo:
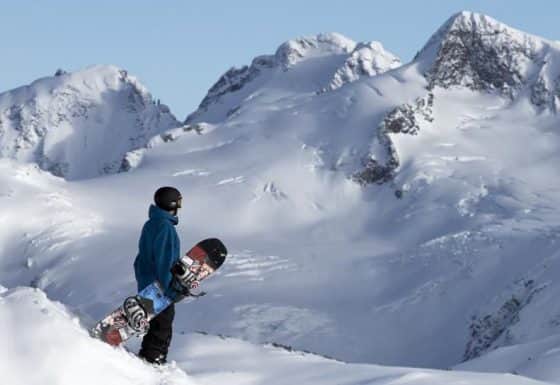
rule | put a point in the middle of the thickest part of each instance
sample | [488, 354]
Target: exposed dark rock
[373, 172]
[544, 94]
[540, 94]
[404, 119]
[466, 59]
[477, 52]
[485, 331]
[60, 72]
[233, 80]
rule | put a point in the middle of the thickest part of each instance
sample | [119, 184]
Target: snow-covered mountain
[480, 53]
[80, 124]
[309, 64]
[375, 212]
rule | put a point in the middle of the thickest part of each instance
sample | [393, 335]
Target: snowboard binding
[136, 315]
[187, 274]
[197, 264]
[190, 272]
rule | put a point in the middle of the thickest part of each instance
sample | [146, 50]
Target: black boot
[159, 360]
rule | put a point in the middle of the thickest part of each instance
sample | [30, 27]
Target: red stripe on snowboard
[113, 337]
[197, 253]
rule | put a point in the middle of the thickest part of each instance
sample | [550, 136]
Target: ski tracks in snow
[235, 180]
[247, 265]
[192, 172]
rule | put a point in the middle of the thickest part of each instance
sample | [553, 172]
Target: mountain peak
[365, 60]
[478, 52]
[478, 22]
[80, 124]
[479, 25]
[296, 50]
[472, 20]
[318, 63]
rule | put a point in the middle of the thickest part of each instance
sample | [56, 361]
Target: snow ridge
[67, 354]
[366, 59]
[294, 51]
[338, 61]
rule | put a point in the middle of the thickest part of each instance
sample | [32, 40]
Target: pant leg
[156, 343]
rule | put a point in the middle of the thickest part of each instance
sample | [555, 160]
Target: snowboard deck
[133, 317]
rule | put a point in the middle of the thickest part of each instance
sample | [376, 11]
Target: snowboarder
[158, 250]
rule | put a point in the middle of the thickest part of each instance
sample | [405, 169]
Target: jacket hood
[157, 213]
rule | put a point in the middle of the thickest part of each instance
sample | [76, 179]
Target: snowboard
[133, 317]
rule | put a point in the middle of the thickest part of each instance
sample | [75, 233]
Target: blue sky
[178, 49]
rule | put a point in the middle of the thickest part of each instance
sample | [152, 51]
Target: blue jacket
[158, 249]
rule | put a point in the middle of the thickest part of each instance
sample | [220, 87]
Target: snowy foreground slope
[375, 213]
[538, 359]
[67, 355]
[52, 348]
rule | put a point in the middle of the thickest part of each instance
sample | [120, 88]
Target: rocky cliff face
[475, 51]
[403, 119]
[80, 125]
[490, 331]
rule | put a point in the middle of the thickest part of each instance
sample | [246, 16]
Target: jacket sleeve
[166, 250]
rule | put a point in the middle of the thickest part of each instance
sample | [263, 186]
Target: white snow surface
[463, 265]
[538, 359]
[55, 349]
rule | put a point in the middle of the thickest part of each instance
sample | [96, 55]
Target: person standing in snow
[158, 250]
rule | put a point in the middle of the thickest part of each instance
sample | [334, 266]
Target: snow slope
[69, 356]
[537, 359]
[407, 218]
[45, 344]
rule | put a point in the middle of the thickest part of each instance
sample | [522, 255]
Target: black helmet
[168, 198]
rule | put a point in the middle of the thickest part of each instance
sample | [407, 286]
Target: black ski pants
[156, 343]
